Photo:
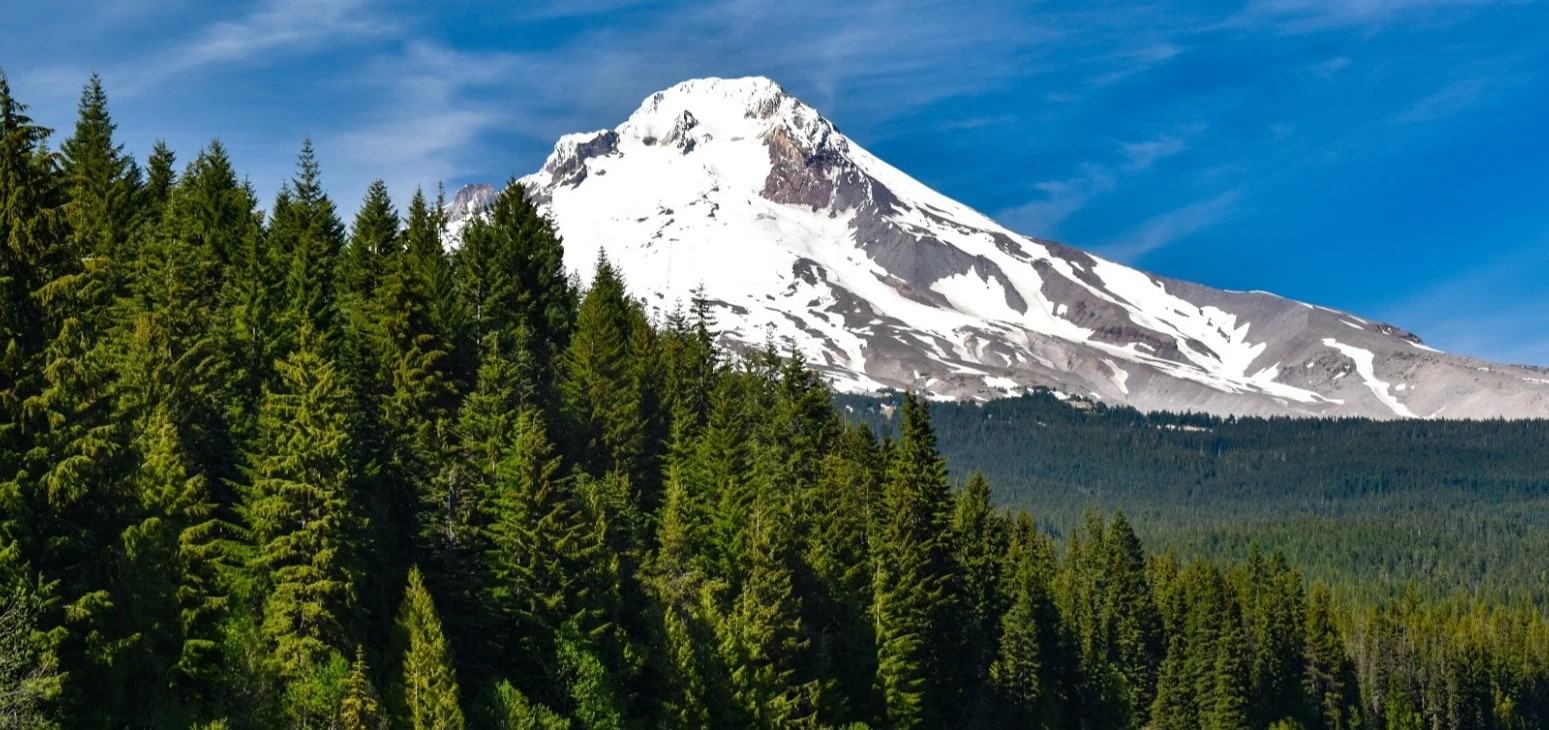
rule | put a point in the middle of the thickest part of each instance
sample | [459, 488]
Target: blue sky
[1389, 157]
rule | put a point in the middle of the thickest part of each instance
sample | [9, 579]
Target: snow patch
[1364, 365]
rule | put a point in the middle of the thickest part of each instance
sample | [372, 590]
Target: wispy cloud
[1453, 98]
[275, 26]
[1314, 15]
[1064, 197]
[435, 103]
[1165, 229]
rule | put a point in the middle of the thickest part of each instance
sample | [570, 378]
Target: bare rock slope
[800, 237]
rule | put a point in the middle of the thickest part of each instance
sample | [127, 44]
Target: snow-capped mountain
[801, 237]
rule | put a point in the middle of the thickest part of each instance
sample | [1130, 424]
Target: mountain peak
[801, 237]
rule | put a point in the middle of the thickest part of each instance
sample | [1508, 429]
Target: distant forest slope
[1450, 506]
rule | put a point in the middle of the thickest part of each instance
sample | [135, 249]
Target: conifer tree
[763, 640]
[361, 709]
[511, 276]
[30, 199]
[30, 677]
[82, 447]
[1130, 615]
[539, 545]
[1330, 674]
[979, 543]
[298, 512]
[308, 236]
[511, 710]
[1022, 675]
[373, 240]
[1227, 704]
[912, 583]
[687, 602]
[160, 178]
[429, 681]
[600, 387]
[175, 600]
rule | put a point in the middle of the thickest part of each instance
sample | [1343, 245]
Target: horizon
[1406, 127]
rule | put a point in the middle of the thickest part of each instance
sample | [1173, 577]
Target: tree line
[1373, 508]
[263, 469]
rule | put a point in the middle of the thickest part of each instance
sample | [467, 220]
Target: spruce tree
[430, 690]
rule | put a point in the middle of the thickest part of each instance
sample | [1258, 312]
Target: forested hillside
[1375, 507]
[265, 469]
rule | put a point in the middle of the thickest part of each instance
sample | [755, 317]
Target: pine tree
[429, 681]
[299, 515]
[361, 709]
[913, 576]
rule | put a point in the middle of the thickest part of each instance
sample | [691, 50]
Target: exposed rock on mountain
[801, 237]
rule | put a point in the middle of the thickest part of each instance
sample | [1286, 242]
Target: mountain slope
[802, 238]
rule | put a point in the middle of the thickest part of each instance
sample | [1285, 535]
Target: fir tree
[361, 709]
[979, 541]
[30, 677]
[429, 681]
[763, 640]
[299, 515]
[601, 387]
[539, 543]
[1021, 673]
[308, 236]
[511, 277]
[1330, 674]
[912, 583]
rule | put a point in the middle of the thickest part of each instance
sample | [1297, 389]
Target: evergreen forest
[261, 467]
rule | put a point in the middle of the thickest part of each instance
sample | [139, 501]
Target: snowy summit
[801, 237]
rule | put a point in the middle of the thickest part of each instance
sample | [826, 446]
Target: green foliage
[511, 710]
[299, 513]
[429, 682]
[361, 709]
